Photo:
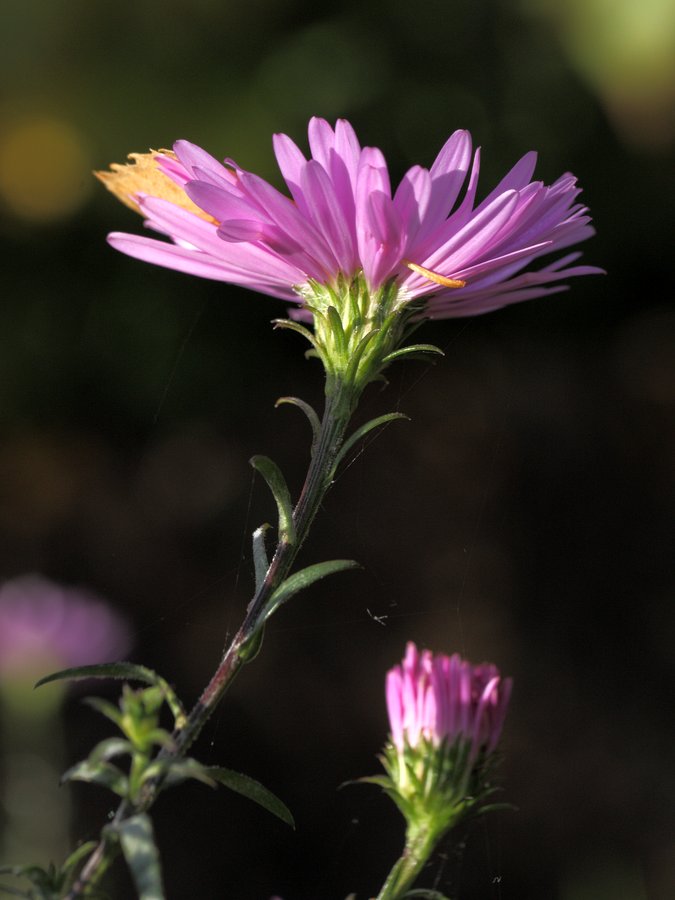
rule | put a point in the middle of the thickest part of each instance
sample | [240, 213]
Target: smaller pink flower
[44, 623]
[444, 699]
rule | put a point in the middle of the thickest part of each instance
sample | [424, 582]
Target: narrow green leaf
[250, 648]
[174, 704]
[382, 781]
[260, 561]
[320, 322]
[289, 325]
[495, 807]
[107, 709]
[160, 737]
[277, 484]
[337, 331]
[426, 894]
[308, 410]
[70, 867]
[175, 771]
[140, 852]
[105, 774]
[18, 871]
[40, 878]
[357, 355]
[355, 317]
[142, 703]
[253, 790]
[303, 579]
[126, 670]
[363, 431]
[108, 749]
[412, 350]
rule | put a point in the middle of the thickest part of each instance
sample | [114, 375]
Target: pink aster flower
[44, 623]
[429, 237]
[444, 699]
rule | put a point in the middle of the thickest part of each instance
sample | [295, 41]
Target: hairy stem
[418, 848]
[337, 413]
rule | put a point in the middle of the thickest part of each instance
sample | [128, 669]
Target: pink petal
[328, 215]
[447, 176]
[412, 200]
[469, 242]
[190, 155]
[321, 141]
[347, 147]
[291, 162]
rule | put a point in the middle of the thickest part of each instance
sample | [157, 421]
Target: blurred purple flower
[462, 257]
[445, 699]
[41, 621]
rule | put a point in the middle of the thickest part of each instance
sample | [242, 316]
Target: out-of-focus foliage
[626, 52]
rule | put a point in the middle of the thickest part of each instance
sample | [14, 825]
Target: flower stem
[338, 411]
[418, 848]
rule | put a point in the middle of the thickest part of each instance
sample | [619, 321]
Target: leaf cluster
[151, 765]
[50, 883]
[437, 786]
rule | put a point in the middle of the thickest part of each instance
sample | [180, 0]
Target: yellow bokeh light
[44, 169]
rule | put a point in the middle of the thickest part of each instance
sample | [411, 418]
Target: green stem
[418, 848]
[338, 411]
[317, 482]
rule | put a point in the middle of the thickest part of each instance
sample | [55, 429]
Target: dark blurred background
[522, 516]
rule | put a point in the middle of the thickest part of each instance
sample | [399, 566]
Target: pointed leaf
[17, 871]
[183, 769]
[36, 874]
[303, 579]
[70, 866]
[250, 648]
[105, 774]
[308, 411]
[382, 781]
[107, 709]
[426, 894]
[140, 852]
[108, 749]
[260, 561]
[40, 878]
[363, 431]
[337, 331]
[175, 771]
[253, 790]
[495, 807]
[357, 355]
[126, 671]
[289, 325]
[277, 484]
[161, 738]
[413, 350]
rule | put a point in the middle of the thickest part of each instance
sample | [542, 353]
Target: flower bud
[446, 717]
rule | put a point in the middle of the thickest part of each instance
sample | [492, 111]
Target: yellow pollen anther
[434, 276]
[143, 176]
